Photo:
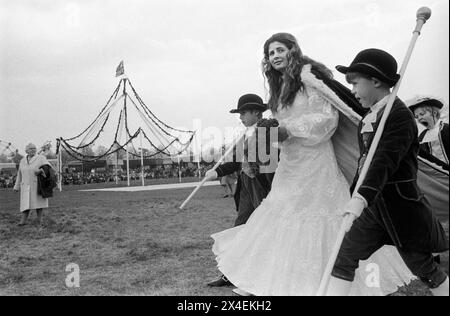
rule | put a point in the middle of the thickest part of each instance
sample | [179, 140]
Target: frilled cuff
[368, 193]
[360, 197]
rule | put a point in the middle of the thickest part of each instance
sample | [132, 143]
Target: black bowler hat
[249, 102]
[375, 63]
[424, 101]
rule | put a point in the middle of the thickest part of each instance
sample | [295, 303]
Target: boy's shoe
[222, 281]
[242, 292]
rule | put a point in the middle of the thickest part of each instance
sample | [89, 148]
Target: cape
[46, 183]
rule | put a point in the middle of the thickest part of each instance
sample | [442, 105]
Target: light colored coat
[27, 183]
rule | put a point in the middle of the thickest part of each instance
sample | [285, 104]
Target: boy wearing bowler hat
[253, 184]
[388, 207]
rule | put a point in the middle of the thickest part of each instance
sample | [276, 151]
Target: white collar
[371, 118]
[379, 105]
[31, 159]
[250, 130]
[432, 134]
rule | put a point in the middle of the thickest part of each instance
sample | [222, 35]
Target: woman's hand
[282, 134]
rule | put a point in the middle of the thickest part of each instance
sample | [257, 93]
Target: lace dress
[285, 245]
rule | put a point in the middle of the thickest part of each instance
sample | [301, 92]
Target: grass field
[125, 243]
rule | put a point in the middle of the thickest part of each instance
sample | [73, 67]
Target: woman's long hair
[283, 86]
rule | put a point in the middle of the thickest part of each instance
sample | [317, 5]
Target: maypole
[162, 138]
[126, 131]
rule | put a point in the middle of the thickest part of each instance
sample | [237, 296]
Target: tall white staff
[423, 14]
[213, 168]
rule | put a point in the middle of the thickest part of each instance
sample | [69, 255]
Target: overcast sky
[188, 59]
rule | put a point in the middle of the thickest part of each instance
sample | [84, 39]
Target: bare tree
[100, 150]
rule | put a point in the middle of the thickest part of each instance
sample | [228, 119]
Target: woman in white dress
[27, 183]
[285, 245]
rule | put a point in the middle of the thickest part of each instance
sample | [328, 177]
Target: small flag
[120, 70]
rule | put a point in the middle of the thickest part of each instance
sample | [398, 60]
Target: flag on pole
[120, 69]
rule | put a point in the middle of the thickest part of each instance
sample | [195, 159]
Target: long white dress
[285, 245]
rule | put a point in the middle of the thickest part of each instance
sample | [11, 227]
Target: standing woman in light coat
[27, 183]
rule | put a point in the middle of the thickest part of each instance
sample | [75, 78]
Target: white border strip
[154, 187]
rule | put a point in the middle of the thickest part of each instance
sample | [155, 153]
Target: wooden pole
[128, 164]
[125, 125]
[423, 14]
[179, 169]
[117, 166]
[199, 158]
[60, 169]
[142, 160]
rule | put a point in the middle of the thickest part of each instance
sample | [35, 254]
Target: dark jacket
[228, 168]
[390, 186]
[425, 148]
[264, 178]
[46, 183]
